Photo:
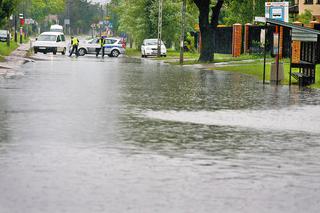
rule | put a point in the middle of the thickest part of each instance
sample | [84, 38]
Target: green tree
[82, 13]
[305, 17]
[242, 11]
[42, 8]
[6, 9]
[139, 19]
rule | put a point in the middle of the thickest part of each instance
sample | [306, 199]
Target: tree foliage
[242, 11]
[82, 13]
[6, 9]
[305, 17]
[139, 19]
[41, 8]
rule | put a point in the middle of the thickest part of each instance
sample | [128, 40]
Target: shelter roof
[292, 26]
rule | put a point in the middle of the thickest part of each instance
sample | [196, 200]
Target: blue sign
[277, 10]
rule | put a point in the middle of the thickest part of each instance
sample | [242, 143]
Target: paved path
[14, 61]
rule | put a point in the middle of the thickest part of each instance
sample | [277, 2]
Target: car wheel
[44, 52]
[54, 51]
[115, 53]
[35, 51]
[64, 51]
[82, 51]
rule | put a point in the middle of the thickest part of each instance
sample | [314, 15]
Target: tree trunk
[208, 27]
[207, 45]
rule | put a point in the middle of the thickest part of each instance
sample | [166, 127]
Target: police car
[113, 47]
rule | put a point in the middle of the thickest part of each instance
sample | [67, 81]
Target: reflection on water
[130, 135]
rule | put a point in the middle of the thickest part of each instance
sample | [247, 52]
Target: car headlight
[148, 48]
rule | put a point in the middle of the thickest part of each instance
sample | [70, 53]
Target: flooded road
[129, 135]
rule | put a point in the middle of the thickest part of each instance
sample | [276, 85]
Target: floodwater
[89, 135]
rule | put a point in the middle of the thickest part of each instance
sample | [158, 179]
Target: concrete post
[312, 24]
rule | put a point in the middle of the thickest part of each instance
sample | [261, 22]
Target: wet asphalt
[121, 134]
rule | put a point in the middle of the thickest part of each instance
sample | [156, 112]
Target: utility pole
[8, 32]
[101, 22]
[159, 27]
[15, 28]
[69, 15]
[183, 25]
[24, 17]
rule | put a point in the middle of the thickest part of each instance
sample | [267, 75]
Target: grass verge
[5, 50]
[132, 52]
[192, 57]
[256, 69]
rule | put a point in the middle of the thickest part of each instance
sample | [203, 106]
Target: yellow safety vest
[75, 41]
[102, 42]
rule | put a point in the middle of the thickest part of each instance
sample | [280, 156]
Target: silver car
[113, 47]
[4, 35]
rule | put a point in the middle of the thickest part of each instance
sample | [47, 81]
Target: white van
[56, 28]
[50, 42]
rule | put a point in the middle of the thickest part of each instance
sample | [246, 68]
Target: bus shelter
[304, 51]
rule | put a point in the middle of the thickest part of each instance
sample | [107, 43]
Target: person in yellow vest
[74, 44]
[102, 43]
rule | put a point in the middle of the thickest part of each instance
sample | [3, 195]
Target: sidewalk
[14, 61]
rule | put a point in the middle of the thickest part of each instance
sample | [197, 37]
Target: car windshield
[152, 42]
[3, 32]
[92, 41]
[110, 41]
[47, 38]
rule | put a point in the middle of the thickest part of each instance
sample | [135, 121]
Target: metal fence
[223, 40]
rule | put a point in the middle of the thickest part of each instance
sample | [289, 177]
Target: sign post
[277, 11]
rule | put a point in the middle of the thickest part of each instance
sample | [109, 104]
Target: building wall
[315, 7]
